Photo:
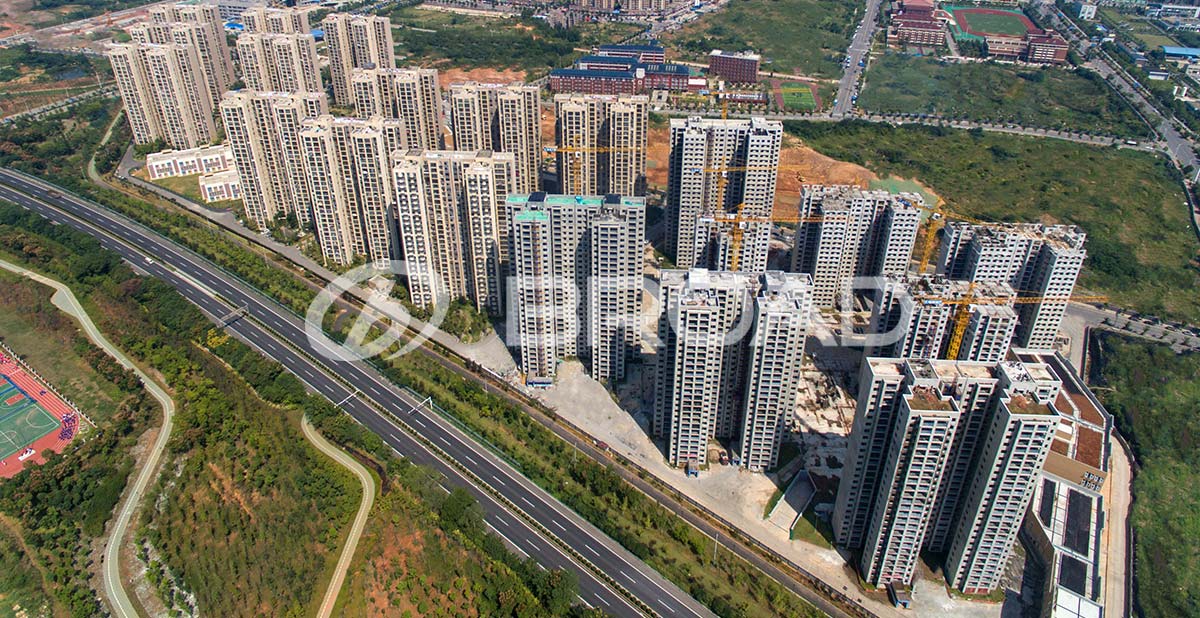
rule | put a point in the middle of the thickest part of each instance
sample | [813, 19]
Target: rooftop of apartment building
[745, 55]
[1084, 426]
[1021, 404]
[1066, 235]
[550, 199]
[926, 398]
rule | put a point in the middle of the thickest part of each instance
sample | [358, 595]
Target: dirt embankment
[484, 75]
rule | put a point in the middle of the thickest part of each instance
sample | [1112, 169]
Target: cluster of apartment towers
[944, 451]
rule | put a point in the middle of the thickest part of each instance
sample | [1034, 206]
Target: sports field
[980, 22]
[32, 418]
[798, 96]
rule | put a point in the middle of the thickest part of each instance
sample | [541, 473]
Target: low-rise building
[221, 186]
[202, 160]
[740, 67]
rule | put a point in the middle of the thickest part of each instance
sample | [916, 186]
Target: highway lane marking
[468, 458]
[527, 502]
[558, 525]
[416, 419]
[591, 550]
[497, 481]
[627, 577]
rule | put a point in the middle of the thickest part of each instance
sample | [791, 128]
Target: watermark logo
[381, 315]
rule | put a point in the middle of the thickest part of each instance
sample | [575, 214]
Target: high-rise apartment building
[197, 37]
[165, 93]
[501, 118]
[263, 131]
[730, 360]
[576, 281]
[943, 456]
[276, 20]
[601, 141]
[215, 57]
[410, 95]
[356, 42]
[1039, 261]
[852, 233]
[347, 166]
[448, 213]
[718, 169]
[917, 315]
[1011, 456]
[280, 62]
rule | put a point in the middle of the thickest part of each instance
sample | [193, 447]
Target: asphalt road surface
[217, 293]
[860, 44]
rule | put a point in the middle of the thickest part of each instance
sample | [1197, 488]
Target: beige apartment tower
[410, 95]
[280, 62]
[448, 207]
[165, 93]
[276, 20]
[347, 166]
[601, 141]
[211, 46]
[263, 131]
[501, 118]
[356, 42]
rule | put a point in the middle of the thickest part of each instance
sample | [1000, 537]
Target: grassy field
[1153, 395]
[811, 529]
[804, 37]
[992, 23]
[253, 516]
[1052, 98]
[46, 338]
[467, 41]
[1141, 249]
[1135, 27]
[189, 187]
[798, 96]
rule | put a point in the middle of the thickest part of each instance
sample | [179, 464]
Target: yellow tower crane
[962, 312]
[574, 155]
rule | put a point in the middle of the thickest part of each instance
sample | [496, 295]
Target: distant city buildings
[576, 286]
[943, 456]
[729, 365]
[356, 42]
[846, 232]
[1040, 262]
[720, 170]
[736, 67]
[601, 143]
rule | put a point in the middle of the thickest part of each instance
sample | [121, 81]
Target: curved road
[360, 520]
[114, 588]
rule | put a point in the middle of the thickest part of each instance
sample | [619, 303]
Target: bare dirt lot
[484, 75]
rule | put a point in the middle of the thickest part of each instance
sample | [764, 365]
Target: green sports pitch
[798, 96]
[981, 21]
[22, 420]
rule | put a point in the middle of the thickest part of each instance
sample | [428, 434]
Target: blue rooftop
[1190, 52]
[607, 60]
[677, 69]
[641, 48]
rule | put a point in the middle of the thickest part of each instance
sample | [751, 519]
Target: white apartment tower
[448, 213]
[601, 141]
[943, 456]
[410, 95]
[1039, 261]
[280, 62]
[919, 451]
[1011, 457]
[917, 316]
[720, 167]
[263, 131]
[586, 301]
[714, 379]
[356, 42]
[347, 163]
[852, 233]
[781, 314]
[276, 20]
[165, 93]
[501, 118]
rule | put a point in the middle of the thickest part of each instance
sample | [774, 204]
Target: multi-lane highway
[602, 564]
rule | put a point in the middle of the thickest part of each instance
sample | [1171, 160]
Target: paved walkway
[114, 587]
[360, 519]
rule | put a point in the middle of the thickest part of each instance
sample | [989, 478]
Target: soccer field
[981, 21]
[798, 96]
